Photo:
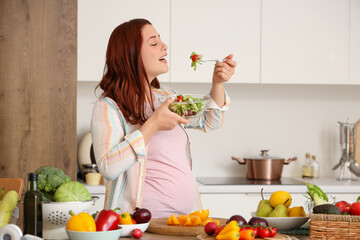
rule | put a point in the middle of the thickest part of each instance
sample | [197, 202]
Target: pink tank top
[170, 186]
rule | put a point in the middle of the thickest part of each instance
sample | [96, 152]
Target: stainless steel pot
[264, 167]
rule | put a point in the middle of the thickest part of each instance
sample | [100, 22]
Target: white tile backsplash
[290, 120]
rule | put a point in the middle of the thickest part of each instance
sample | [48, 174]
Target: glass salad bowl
[187, 105]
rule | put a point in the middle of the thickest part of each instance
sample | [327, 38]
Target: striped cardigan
[120, 149]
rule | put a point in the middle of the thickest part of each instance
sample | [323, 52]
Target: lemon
[280, 197]
[296, 212]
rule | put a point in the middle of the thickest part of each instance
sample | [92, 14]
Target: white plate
[285, 223]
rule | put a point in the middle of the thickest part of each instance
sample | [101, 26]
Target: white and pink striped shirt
[138, 175]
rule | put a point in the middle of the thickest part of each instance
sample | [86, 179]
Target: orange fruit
[195, 220]
[203, 214]
[184, 220]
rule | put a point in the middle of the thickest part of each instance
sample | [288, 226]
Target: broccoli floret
[317, 195]
[49, 180]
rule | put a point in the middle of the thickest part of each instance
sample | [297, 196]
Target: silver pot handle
[239, 160]
[290, 160]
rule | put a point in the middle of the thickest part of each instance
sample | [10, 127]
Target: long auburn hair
[124, 79]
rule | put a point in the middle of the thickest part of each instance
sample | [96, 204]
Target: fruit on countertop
[296, 212]
[264, 207]
[280, 197]
[279, 211]
[141, 215]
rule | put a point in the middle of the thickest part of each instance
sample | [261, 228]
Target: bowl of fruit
[135, 224]
[187, 105]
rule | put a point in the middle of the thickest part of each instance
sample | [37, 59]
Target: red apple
[355, 208]
[210, 228]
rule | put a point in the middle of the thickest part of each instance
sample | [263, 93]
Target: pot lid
[264, 156]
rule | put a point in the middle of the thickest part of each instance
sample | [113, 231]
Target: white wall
[290, 120]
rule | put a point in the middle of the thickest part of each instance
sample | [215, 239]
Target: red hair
[125, 80]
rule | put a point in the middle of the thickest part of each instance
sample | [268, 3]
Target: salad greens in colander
[187, 106]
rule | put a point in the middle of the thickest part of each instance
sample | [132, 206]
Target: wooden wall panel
[38, 47]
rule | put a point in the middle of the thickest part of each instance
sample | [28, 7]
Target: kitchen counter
[328, 185]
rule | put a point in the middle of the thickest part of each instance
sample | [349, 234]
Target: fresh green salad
[187, 106]
[195, 59]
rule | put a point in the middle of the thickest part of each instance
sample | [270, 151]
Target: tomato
[136, 233]
[247, 234]
[256, 231]
[355, 208]
[346, 203]
[133, 221]
[194, 57]
[180, 98]
[273, 232]
[264, 233]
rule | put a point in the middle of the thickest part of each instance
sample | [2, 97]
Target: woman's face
[153, 52]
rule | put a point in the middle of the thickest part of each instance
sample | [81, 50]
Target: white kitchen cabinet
[354, 42]
[215, 29]
[305, 41]
[96, 21]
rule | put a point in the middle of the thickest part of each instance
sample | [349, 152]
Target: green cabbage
[72, 192]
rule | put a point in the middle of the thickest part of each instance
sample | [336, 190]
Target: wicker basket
[328, 226]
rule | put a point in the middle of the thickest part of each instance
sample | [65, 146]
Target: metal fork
[220, 60]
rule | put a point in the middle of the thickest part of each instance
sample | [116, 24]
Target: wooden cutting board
[278, 236]
[159, 226]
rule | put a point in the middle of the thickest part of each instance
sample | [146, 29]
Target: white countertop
[328, 185]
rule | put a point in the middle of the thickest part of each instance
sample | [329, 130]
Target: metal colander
[55, 215]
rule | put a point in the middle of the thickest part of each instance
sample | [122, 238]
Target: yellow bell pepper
[230, 235]
[233, 225]
[83, 222]
[172, 220]
[125, 219]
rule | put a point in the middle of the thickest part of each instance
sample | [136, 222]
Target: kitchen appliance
[264, 167]
[348, 166]
[85, 153]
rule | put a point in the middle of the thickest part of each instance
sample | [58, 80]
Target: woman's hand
[164, 119]
[222, 73]
[224, 70]
[161, 120]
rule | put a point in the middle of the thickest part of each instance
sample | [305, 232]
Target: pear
[264, 207]
[279, 211]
